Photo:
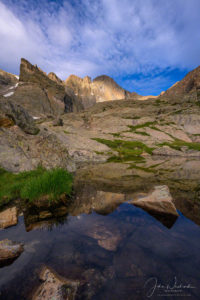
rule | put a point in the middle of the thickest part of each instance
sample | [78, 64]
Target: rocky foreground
[43, 121]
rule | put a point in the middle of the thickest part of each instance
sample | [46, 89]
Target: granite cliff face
[102, 88]
[108, 89]
[55, 78]
[43, 94]
[39, 94]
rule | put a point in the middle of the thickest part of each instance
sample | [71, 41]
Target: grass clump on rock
[34, 184]
[127, 150]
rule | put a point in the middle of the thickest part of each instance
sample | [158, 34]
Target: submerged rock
[8, 217]
[159, 201]
[94, 282]
[9, 251]
[55, 287]
[108, 239]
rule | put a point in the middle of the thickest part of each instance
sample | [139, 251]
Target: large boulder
[159, 201]
[15, 113]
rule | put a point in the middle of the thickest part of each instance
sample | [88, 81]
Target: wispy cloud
[115, 37]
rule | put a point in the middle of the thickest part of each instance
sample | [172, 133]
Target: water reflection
[111, 247]
[86, 201]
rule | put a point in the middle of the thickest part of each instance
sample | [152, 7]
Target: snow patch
[13, 86]
[36, 118]
[9, 94]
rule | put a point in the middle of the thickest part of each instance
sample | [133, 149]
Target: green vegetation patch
[178, 144]
[33, 184]
[139, 126]
[144, 125]
[127, 150]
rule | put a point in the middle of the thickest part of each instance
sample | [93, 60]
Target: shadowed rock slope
[189, 85]
[7, 82]
[40, 94]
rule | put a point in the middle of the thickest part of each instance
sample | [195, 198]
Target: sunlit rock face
[55, 78]
[102, 88]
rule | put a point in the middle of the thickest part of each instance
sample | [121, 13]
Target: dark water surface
[121, 251]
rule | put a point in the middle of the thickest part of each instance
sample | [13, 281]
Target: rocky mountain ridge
[57, 96]
[44, 121]
[189, 85]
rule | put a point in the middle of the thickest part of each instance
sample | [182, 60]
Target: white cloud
[93, 37]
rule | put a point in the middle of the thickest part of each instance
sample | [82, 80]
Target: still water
[114, 249]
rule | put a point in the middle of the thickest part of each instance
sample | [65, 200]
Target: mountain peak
[189, 84]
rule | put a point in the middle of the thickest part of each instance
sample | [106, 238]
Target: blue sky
[145, 45]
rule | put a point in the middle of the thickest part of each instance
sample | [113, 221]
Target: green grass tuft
[33, 184]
